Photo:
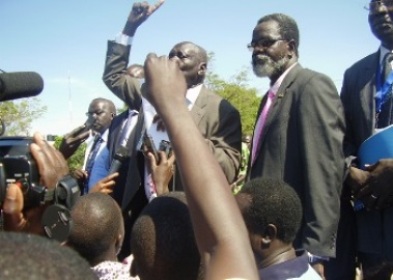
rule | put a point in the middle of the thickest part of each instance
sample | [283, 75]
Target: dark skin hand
[377, 192]
[161, 172]
[51, 167]
[140, 12]
[106, 184]
[356, 179]
[73, 140]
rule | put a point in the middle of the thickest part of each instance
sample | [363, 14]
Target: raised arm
[220, 232]
[115, 76]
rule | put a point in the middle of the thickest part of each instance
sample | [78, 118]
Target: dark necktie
[91, 158]
[385, 116]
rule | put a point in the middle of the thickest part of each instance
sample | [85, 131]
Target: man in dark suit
[298, 134]
[367, 98]
[217, 120]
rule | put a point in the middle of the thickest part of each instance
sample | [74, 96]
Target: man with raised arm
[220, 231]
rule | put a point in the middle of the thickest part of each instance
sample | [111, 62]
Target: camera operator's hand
[106, 184]
[51, 167]
[18, 219]
[51, 164]
[73, 140]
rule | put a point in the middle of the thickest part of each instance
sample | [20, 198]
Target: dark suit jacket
[217, 120]
[357, 95]
[301, 143]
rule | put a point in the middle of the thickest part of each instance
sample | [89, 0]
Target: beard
[264, 66]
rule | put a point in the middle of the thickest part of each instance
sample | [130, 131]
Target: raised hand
[165, 83]
[162, 171]
[140, 12]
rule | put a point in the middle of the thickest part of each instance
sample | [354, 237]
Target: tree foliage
[76, 160]
[17, 116]
[239, 93]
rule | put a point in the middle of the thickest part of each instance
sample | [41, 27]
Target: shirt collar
[274, 88]
[192, 95]
[383, 51]
[286, 270]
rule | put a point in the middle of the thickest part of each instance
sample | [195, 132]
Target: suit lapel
[277, 103]
[367, 93]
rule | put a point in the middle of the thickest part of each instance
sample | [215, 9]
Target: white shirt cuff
[123, 39]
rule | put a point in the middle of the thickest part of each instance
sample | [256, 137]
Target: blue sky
[65, 42]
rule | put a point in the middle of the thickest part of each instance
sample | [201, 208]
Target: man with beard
[298, 134]
[367, 98]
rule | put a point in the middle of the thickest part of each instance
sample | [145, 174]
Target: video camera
[17, 165]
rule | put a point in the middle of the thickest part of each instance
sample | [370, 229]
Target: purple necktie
[260, 124]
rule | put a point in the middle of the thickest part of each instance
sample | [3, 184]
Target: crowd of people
[170, 189]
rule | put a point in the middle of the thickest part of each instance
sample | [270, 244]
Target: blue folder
[376, 147]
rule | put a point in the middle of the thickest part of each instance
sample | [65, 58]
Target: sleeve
[225, 143]
[322, 127]
[100, 168]
[350, 149]
[116, 78]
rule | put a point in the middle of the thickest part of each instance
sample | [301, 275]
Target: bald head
[98, 227]
[192, 60]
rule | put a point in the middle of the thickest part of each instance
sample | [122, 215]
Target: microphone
[20, 84]
[118, 159]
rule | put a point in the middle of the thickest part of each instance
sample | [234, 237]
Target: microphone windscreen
[20, 84]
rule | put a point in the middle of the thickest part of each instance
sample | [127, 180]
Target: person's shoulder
[366, 61]
[215, 99]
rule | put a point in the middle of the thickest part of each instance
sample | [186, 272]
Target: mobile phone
[150, 146]
[88, 124]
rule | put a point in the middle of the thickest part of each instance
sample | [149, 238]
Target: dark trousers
[130, 215]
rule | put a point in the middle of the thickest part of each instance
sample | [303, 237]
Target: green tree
[17, 116]
[240, 94]
[76, 160]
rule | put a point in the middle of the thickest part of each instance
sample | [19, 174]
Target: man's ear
[292, 48]
[269, 235]
[119, 243]
[202, 69]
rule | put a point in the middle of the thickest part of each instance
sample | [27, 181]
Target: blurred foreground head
[163, 241]
[33, 257]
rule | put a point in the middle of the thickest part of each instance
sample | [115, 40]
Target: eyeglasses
[262, 43]
[378, 4]
[97, 113]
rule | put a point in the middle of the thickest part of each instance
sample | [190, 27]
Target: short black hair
[163, 241]
[272, 201]
[109, 103]
[97, 223]
[288, 28]
[29, 256]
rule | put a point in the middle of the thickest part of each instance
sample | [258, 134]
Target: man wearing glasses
[99, 116]
[367, 98]
[298, 134]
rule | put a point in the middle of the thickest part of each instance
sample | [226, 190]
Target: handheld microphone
[118, 159]
[20, 84]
